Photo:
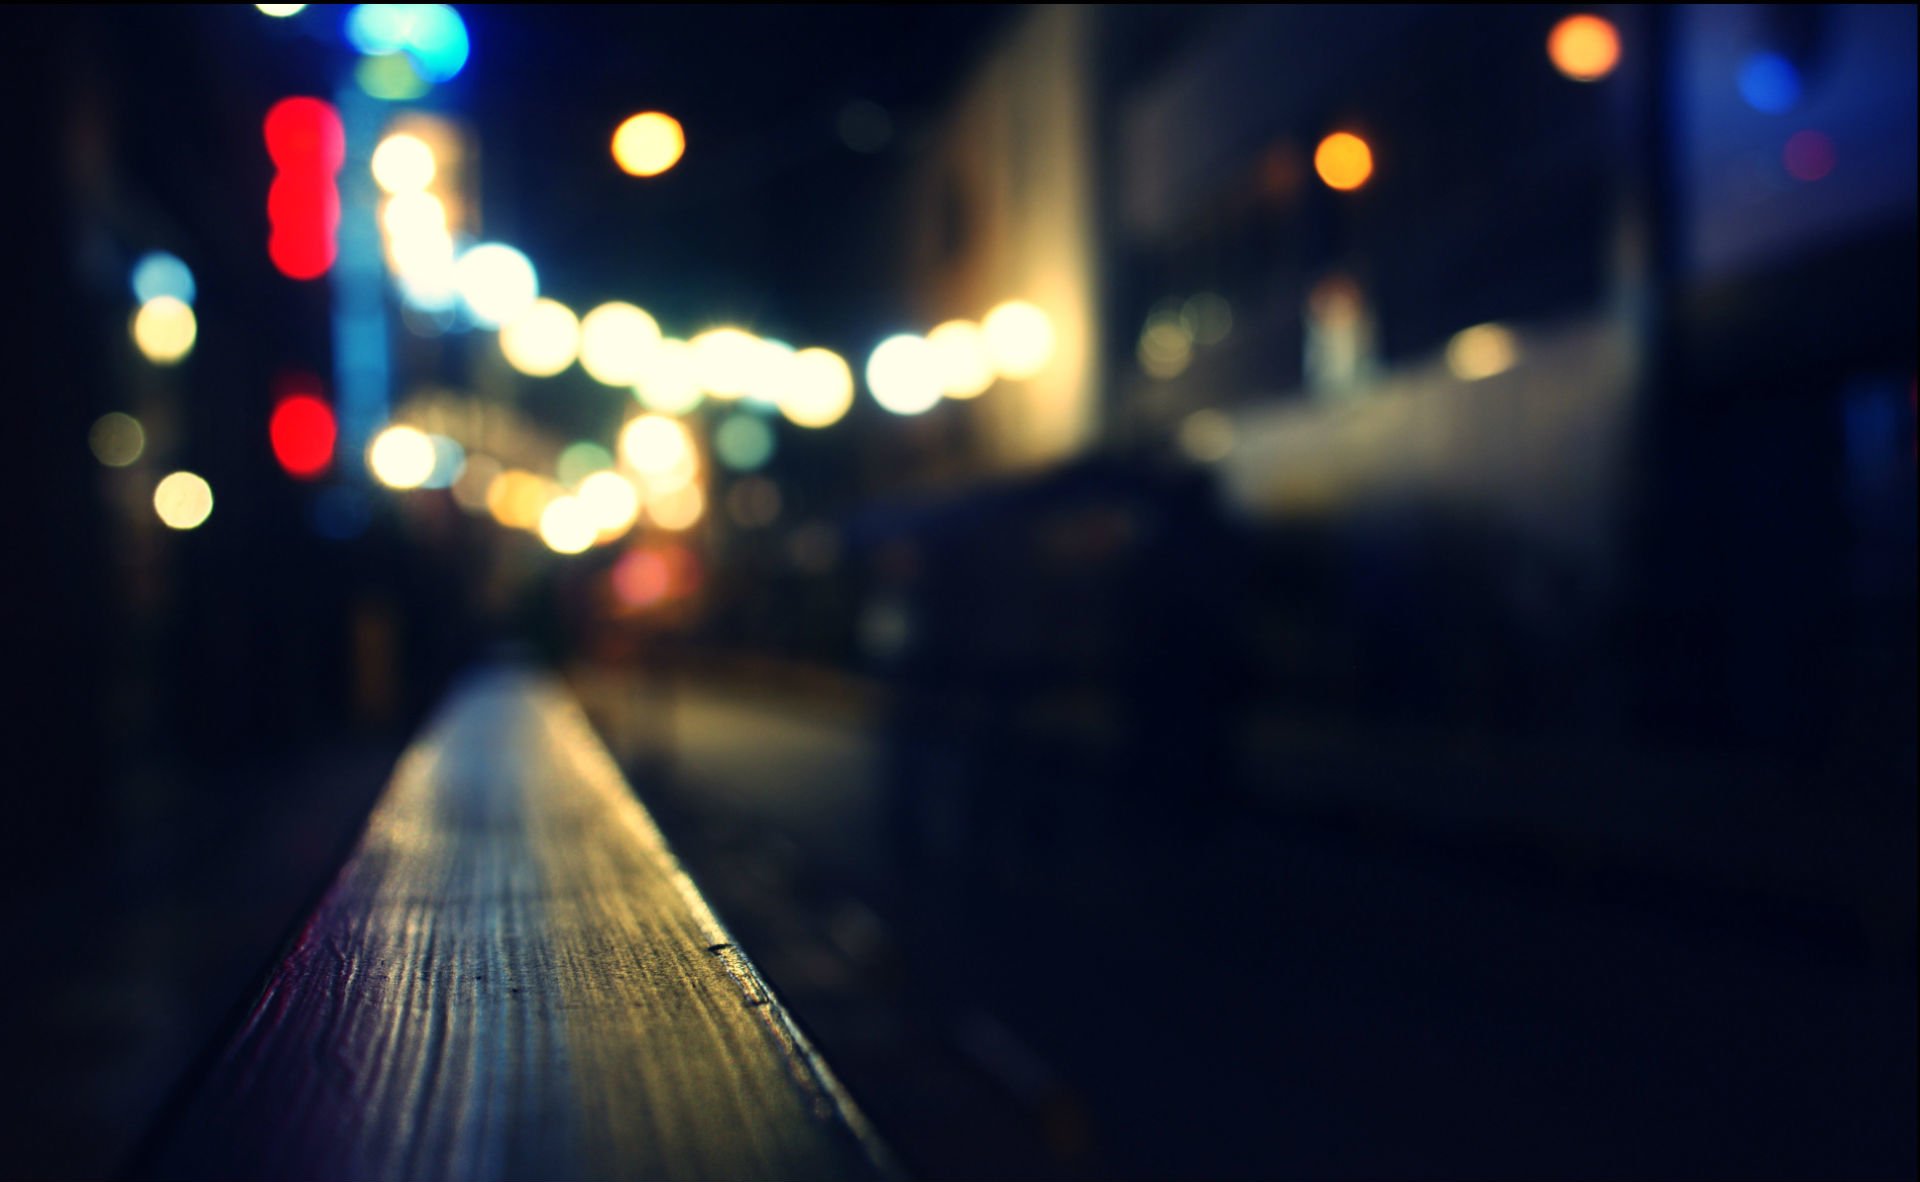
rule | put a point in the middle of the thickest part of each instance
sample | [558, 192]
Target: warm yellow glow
[648, 144]
[1481, 352]
[1584, 47]
[117, 439]
[1019, 339]
[1166, 347]
[670, 379]
[1343, 161]
[401, 457]
[182, 500]
[279, 9]
[542, 342]
[655, 445]
[960, 350]
[517, 499]
[728, 360]
[770, 371]
[611, 500]
[615, 341]
[1206, 436]
[678, 509]
[567, 525]
[164, 328]
[819, 388]
[904, 375]
[403, 164]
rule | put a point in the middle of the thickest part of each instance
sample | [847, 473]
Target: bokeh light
[183, 500]
[496, 282]
[819, 389]
[655, 445]
[410, 218]
[1206, 436]
[960, 351]
[648, 144]
[542, 342]
[1808, 156]
[743, 442]
[728, 360]
[612, 501]
[1769, 83]
[670, 379]
[580, 460]
[1482, 351]
[1584, 47]
[615, 341]
[304, 135]
[117, 439]
[280, 9]
[390, 77]
[302, 432]
[1019, 339]
[641, 578]
[165, 329]
[679, 508]
[401, 457]
[516, 499]
[449, 459]
[567, 525]
[1166, 346]
[903, 374]
[770, 373]
[161, 274]
[403, 163]
[1343, 161]
[432, 35]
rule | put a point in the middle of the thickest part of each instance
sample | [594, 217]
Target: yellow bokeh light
[117, 439]
[612, 500]
[567, 525]
[819, 389]
[670, 380]
[401, 457]
[728, 360]
[1344, 161]
[1019, 339]
[280, 9]
[648, 144]
[409, 217]
[615, 342]
[403, 164]
[543, 341]
[769, 372]
[517, 499]
[655, 445]
[182, 500]
[1584, 47]
[1166, 347]
[1206, 436]
[904, 374]
[679, 509]
[164, 328]
[1482, 351]
[960, 350]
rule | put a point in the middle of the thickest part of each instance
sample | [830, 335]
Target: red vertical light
[302, 428]
[307, 145]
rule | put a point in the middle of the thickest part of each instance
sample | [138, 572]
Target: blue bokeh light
[1769, 83]
[161, 274]
[432, 35]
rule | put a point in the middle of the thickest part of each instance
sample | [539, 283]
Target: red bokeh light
[1808, 156]
[305, 135]
[302, 430]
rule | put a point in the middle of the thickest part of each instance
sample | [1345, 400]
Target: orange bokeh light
[1343, 161]
[1584, 47]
